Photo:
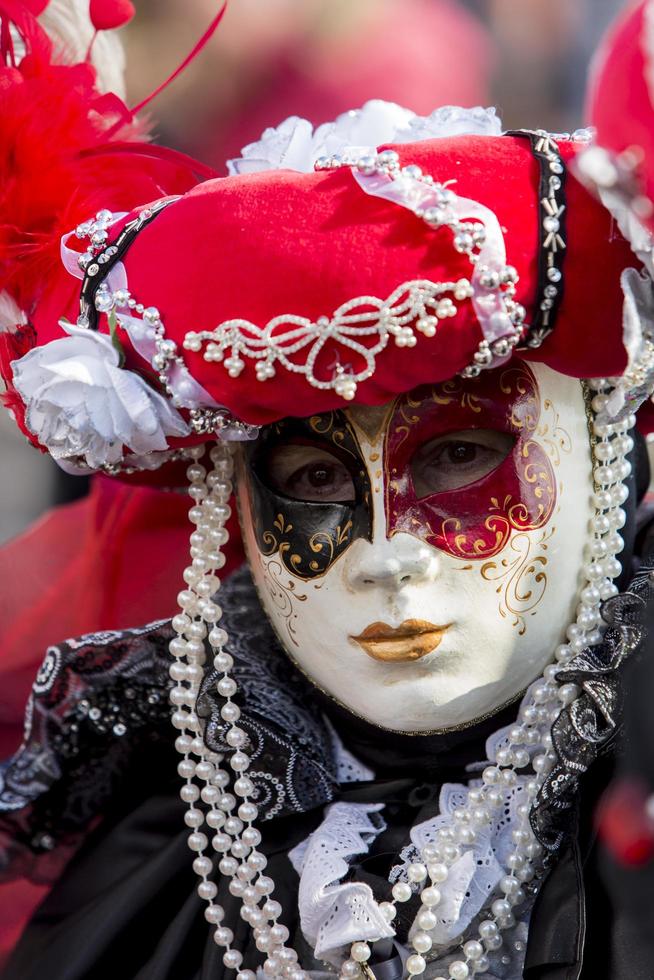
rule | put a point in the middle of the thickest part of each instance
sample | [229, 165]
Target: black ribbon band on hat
[551, 234]
[101, 264]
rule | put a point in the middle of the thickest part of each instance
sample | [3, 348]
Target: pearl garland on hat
[229, 815]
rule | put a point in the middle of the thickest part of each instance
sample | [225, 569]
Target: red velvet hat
[619, 167]
[620, 105]
[274, 293]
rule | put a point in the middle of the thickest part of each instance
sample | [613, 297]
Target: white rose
[81, 403]
[295, 145]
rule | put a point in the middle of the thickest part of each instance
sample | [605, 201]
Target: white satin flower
[81, 403]
[295, 145]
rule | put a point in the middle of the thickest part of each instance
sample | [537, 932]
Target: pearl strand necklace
[234, 836]
[529, 741]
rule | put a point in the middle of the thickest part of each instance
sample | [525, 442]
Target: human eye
[307, 473]
[457, 459]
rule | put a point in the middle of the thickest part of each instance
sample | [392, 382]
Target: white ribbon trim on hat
[412, 194]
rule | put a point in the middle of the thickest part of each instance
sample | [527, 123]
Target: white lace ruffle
[332, 912]
[472, 879]
[295, 145]
[333, 915]
[348, 770]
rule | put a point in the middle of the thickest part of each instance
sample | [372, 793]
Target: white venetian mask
[420, 562]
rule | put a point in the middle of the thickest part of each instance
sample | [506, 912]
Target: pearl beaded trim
[295, 342]
[228, 815]
[468, 238]
[131, 464]
[420, 301]
[229, 812]
[552, 232]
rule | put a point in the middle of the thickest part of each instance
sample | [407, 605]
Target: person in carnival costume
[390, 728]
[122, 530]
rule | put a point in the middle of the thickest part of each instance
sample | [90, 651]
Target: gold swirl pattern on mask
[327, 544]
[518, 383]
[466, 545]
[526, 506]
[447, 393]
[270, 539]
[330, 424]
[535, 473]
[521, 577]
[333, 542]
[309, 536]
[456, 390]
[556, 439]
[284, 596]
[408, 417]
[509, 517]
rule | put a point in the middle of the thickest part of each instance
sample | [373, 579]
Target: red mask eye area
[458, 459]
[461, 487]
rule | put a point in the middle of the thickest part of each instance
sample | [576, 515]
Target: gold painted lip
[411, 640]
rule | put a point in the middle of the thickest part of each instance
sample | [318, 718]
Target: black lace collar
[587, 728]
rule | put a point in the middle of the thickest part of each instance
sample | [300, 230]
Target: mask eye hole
[457, 459]
[308, 473]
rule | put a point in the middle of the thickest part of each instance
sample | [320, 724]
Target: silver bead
[350, 969]
[151, 315]
[401, 892]
[367, 164]
[223, 936]
[388, 158]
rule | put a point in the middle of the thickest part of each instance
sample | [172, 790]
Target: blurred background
[317, 58]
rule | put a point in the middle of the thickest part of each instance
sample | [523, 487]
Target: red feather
[108, 14]
[57, 168]
[36, 7]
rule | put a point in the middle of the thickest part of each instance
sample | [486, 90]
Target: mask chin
[405, 629]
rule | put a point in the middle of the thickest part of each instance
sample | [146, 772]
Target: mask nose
[402, 561]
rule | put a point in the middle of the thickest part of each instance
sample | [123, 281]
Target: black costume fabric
[98, 771]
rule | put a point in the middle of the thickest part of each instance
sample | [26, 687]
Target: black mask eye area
[309, 492]
[308, 472]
